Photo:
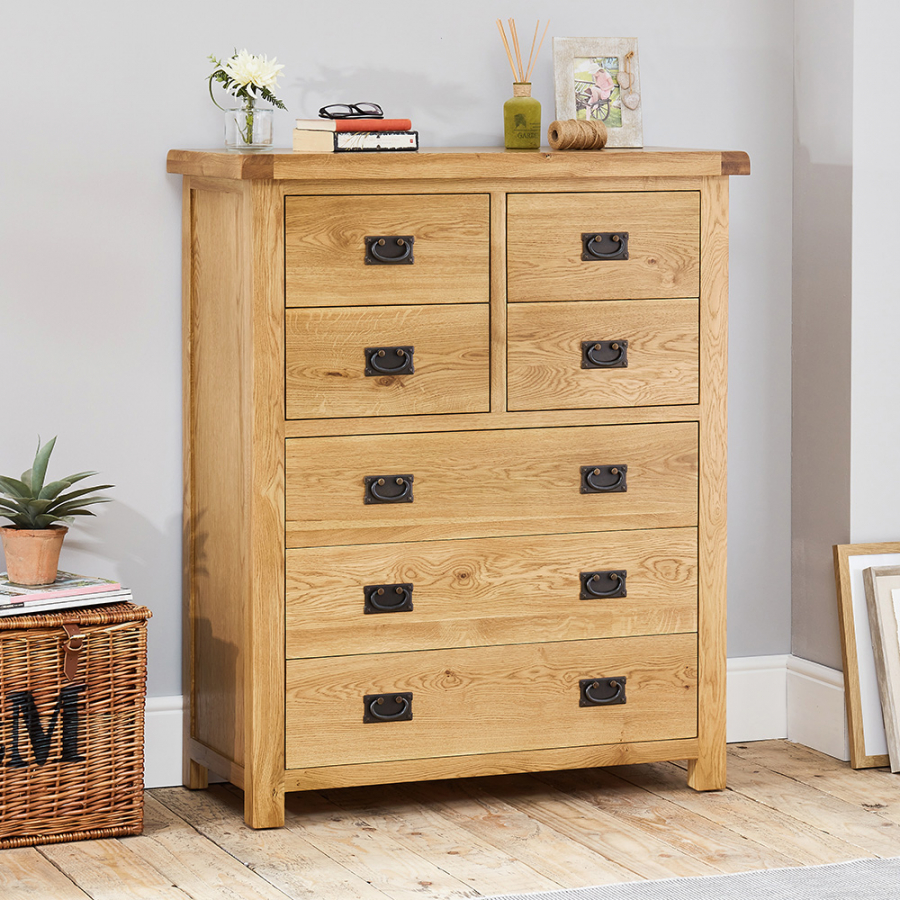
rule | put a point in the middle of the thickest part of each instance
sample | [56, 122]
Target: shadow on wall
[134, 550]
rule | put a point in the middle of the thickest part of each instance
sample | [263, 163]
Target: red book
[354, 124]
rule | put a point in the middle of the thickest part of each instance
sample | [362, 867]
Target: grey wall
[875, 378]
[822, 228]
[89, 251]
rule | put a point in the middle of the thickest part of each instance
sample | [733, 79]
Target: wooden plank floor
[786, 806]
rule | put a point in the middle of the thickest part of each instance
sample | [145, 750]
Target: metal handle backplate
[393, 707]
[604, 245]
[609, 583]
[389, 361]
[389, 250]
[387, 598]
[388, 489]
[602, 691]
[604, 354]
[604, 479]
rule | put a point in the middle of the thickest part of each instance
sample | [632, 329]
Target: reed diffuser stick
[531, 54]
[506, 45]
[536, 55]
[515, 39]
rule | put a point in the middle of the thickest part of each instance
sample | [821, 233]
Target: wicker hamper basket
[72, 689]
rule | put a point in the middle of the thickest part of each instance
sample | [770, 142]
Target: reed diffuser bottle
[521, 113]
[522, 119]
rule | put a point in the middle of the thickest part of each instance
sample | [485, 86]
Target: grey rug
[871, 879]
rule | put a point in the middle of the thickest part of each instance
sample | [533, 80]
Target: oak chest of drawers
[454, 430]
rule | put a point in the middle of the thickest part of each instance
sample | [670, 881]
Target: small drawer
[444, 257]
[490, 699]
[334, 366]
[551, 256]
[436, 486]
[590, 354]
[438, 594]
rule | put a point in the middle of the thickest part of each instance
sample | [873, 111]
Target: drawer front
[334, 369]
[546, 246]
[490, 483]
[490, 591]
[325, 249]
[489, 699]
[589, 354]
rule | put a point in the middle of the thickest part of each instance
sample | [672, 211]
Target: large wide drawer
[325, 249]
[390, 597]
[340, 361]
[490, 483]
[592, 354]
[490, 699]
[548, 258]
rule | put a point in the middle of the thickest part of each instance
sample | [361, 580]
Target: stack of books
[67, 591]
[348, 135]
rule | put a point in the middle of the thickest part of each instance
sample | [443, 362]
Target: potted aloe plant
[37, 509]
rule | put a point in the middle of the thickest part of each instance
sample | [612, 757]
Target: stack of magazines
[66, 592]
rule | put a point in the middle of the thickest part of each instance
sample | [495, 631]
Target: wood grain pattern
[545, 246]
[489, 591]
[460, 163]
[498, 302]
[490, 699]
[625, 415]
[488, 483]
[264, 605]
[325, 250]
[691, 832]
[708, 771]
[26, 875]
[216, 467]
[326, 360]
[479, 765]
[545, 354]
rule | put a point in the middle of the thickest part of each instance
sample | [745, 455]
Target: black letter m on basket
[25, 711]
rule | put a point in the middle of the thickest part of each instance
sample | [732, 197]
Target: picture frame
[865, 723]
[599, 78]
[882, 585]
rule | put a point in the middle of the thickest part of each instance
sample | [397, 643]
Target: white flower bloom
[246, 69]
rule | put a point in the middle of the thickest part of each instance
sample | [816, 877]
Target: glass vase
[248, 128]
[522, 119]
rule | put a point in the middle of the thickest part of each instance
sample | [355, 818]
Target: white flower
[259, 71]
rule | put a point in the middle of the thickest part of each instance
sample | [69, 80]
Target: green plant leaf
[49, 491]
[72, 508]
[14, 488]
[77, 476]
[39, 468]
[72, 495]
[26, 479]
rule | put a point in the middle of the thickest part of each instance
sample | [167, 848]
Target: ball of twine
[577, 134]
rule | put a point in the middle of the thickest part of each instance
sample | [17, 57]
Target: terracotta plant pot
[32, 557]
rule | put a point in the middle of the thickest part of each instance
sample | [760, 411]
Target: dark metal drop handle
[404, 593]
[387, 498]
[592, 250]
[606, 363]
[613, 592]
[605, 701]
[389, 370]
[407, 250]
[602, 487]
[404, 709]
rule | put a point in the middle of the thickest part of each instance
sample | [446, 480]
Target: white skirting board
[769, 697]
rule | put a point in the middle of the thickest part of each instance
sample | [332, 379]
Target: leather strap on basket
[73, 647]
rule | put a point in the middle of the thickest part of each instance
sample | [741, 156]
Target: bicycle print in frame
[598, 78]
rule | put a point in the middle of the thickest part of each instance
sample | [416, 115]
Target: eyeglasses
[352, 111]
